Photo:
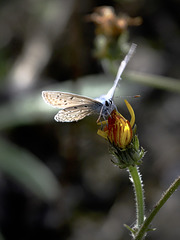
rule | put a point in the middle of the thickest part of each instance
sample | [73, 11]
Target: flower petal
[102, 134]
[131, 111]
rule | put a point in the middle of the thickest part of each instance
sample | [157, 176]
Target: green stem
[157, 81]
[158, 206]
[138, 189]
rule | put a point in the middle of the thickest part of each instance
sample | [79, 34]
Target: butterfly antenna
[122, 66]
[135, 96]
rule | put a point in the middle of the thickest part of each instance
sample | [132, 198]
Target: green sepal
[132, 155]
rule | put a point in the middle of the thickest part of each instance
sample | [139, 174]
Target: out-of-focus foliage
[27, 169]
[56, 179]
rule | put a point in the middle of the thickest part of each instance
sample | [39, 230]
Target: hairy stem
[158, 206]
[135, 177]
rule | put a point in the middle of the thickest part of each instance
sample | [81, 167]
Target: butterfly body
[107, 103]
[74, 107]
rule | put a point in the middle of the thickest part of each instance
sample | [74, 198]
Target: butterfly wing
[73, 107]
[77, 113]
[65, 100]
[122, 66]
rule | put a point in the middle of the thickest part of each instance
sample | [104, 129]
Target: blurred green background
[56, 179]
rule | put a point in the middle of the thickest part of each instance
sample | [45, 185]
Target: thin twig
[157, 207]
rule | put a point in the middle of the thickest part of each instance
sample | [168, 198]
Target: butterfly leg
[100, 114]
[103, 123]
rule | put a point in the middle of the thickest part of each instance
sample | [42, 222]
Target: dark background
[56, 179]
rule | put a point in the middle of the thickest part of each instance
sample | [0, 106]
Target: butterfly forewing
[64, 100]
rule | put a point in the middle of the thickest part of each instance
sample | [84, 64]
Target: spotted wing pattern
[77, 113]
[64, 100]
[73, 107]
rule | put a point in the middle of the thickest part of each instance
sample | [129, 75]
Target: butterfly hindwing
[76, 113]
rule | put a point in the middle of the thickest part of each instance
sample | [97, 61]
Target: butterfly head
[107, 106]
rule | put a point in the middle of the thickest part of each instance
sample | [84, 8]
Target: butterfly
[74, 107]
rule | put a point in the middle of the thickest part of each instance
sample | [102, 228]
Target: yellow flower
[117, 129]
